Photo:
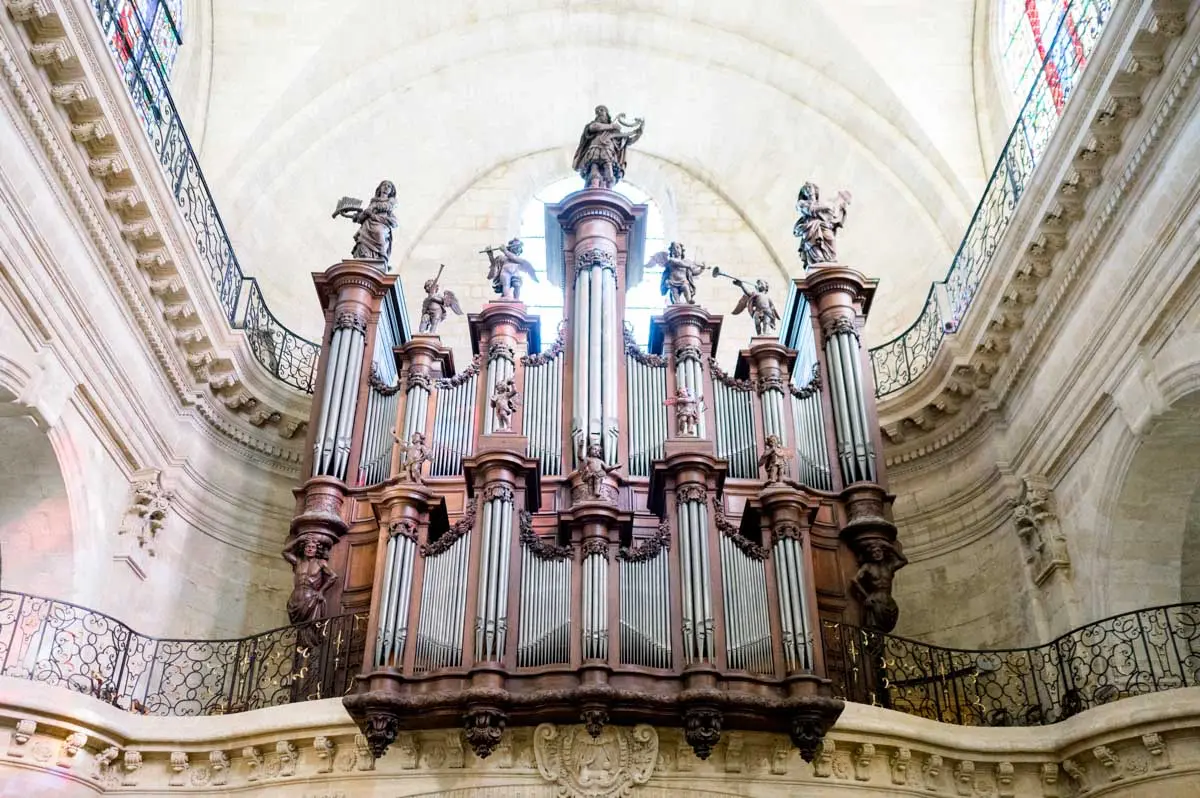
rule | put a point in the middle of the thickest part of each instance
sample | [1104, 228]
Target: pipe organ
[640, 522]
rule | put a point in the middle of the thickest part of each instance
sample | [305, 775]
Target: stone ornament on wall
[1042, 540]
[147, 511]
[607, 765]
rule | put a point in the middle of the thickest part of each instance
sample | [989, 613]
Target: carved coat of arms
[595, 767]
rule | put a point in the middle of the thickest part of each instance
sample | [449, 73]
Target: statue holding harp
[373, 241]
[600, 157]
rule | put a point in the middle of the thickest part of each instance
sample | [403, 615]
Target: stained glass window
[642, 300]
[159, 22]
[1046, 40]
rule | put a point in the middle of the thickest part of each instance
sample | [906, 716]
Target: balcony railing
[900, 361]
[286, 355]
[65, 645]
[1147, 651]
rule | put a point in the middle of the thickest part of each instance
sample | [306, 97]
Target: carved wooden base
[389, 704]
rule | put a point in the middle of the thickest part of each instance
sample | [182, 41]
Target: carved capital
[595, 546]
[501, 350]
[594, 258]
[691, 492]
[687, 353]
[350, 320]
[418, 379]
[405, 527]
[702, 729]
[839, 325]
[484, 729]
[497, 490]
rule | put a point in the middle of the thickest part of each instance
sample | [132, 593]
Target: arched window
[1047, 41]
[148, 29]
[642, 300]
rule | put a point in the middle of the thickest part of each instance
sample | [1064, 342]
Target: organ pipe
[855, 451]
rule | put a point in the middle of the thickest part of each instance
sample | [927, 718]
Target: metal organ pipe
[349, 403]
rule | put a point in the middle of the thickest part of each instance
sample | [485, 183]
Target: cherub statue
[373, 241]
[687, 412]
[504, 404]
[311, 580]
[818, 224]
[773, 459]
[762, 309]
[873, 584]
[413, 455]
[679, 274]
[505, 263]
[433, 307]
[600, 157]
[593, 469]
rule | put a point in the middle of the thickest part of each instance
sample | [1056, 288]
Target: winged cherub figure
[762, 309]
[679, 274]
[592, 468]
[433, 307]
[506, 267]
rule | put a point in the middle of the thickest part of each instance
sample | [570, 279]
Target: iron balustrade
[900, 361]
[64, 645]
[287, 356]
[1126, 655]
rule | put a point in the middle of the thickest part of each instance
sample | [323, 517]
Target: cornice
[184, 339]
[1138, 741]
[974, 372]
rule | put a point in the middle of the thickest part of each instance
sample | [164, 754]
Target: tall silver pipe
[856, 428]
[841, 413]
[331, 371]
[685, 582]
[595, 418]
[383, 639]
[339, 368]
[701, 510]
[506, 522]
[580, 334]
[608, 361]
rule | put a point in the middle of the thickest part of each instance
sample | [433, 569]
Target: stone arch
[37, 541]
[1154, 526]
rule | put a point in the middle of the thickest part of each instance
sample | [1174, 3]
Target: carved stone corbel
[70, 749]
[130, 765]
[179, 766]
[964, 777]
[326, 750]
[1160, 757]
[863, 756]
[363, 758]
[254, 762]
[484, 728]
[702, 729]
[407, 750]
[381, 729]
[218, 766]
[823, 761]
[1005, 774]
[286, 751]
[20, 737]
[899, 765]
[931, 770]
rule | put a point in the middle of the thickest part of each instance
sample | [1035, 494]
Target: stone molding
[190, 340]
[314, 747]
[977, 368]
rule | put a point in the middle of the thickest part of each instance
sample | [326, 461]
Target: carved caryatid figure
[761, 308]
[413, 455]
[373, 240]
[773, 459]
[504, 404]
[311, 579]
[818, 224]
[433, 307]
[687, 412]
[873, 584]
[593, 470]
[505, 268]
[679, 274]
[600, 157]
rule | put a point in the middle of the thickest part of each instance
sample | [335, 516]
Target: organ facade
[583, 530]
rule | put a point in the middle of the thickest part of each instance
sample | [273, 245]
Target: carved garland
[449, 383]
[379, 386]
[538, 547]
[649, 548]
[723, 377]
[748, 546]
[542, 358]
[634, 351]
[460, 527]
[812, 387]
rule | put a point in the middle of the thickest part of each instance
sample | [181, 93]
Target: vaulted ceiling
[295, 105]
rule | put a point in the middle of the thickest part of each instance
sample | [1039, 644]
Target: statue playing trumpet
[761, 308]
[435, 304]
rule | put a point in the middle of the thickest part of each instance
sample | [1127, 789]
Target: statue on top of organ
[524, 577]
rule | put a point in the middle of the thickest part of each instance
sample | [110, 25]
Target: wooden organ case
[612, 551]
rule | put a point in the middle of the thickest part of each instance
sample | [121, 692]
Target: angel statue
[818, 224]
[433, 307]
[592, 468]
[762, 309]
[413, 455]
[679, 274]
[373, 241]
[773, 459]
[504, 403]
[505, 263]
[600, 157]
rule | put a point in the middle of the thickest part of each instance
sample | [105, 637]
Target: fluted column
[788, 515]
[772, 362]
[695, 573]
[495, 550]
[502, 329]
[424, 356]
[689, 332]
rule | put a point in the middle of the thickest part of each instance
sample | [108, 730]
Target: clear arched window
[1046, 41]
[642, 300]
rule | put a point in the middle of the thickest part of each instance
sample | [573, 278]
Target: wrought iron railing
[900, 361]
[288, 356]
[1126, 655]
[65, 645]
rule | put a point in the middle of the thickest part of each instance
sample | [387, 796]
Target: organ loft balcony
[583, 529]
